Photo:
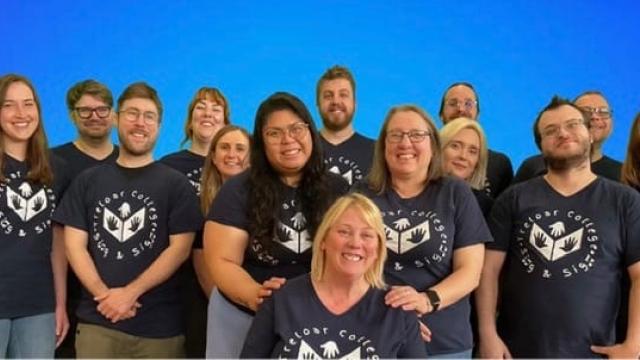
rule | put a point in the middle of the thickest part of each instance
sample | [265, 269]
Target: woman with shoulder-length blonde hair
[465, 155]
[631, 165]
[434, 228]
[343, 296]
[33, 317]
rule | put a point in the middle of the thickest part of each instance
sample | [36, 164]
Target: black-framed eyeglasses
[84, 112]
[603, 112]
[275, 135]
[415, 136]
[468, 104]
[132, 114]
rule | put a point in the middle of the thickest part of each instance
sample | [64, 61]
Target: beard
[136, 149]
[333, 124]
[570, 161]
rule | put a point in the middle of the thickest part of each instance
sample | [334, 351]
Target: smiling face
[138, 135]
[565, 140]
[95, 126]
[336, 104]
[287, 146]
[19, 116]
[407, 159]
[462, 153]
[460, 101]
[350, 246]
[207, 118]
[231, 154]
[600, 124]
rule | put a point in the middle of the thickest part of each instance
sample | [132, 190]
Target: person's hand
[492, 347]
[62, 324]
[425, 332]
[408, 299]
[117, 304]
[266, 290]
[618, 351]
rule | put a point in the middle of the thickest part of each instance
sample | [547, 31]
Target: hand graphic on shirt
[329, 349]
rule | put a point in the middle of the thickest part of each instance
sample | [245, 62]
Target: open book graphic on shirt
[123, 227]
[402, 238]
[330, 351]
[347, 176]
[24, 203]
[296, 237]
[552, 248]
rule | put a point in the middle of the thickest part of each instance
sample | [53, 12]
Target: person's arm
[116, 303]
[59, 268]
[76, 241]
[630, 348]
[467, 265]
[491, 345]
[224, 248]
[413, 343]
[202, 273]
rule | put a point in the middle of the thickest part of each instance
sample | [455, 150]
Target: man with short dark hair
[461, 100]
[128, 227]
[600, 117]
[562, 242]
[346, 152]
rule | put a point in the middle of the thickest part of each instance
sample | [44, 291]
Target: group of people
[298, 242]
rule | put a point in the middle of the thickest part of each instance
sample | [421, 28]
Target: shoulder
[533, 161]
[498, 156]
[60, 150]
[357, 137]
[299, 286]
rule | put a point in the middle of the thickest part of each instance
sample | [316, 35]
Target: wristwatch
[434, 299]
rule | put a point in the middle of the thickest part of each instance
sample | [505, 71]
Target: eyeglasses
[84, 112]
[468, 104]
[132, 114]
[275, 135]
[602, 112]
[553, 131]
[415, 136]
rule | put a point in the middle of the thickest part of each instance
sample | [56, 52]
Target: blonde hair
[451, 129]
[211, 179]
[379, 177]
[372, 216]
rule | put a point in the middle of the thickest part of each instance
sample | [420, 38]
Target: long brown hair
[211, 179]
[204, 93]
[631, 165]
[37, 149]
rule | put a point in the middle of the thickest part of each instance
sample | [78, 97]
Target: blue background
[517, 54]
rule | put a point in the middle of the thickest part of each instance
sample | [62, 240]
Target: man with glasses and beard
[600, 117]
[346, 152]
[460, 100]
[90, 107]
[562, 242]
[128, 227]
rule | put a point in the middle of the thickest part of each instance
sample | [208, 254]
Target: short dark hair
[556, 102]
[463, 83]
[88, 87]
[141, 90]
[333, 73]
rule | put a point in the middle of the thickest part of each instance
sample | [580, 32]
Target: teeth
[406, 156]
[21, 124]
[291, 152]
[352, 257]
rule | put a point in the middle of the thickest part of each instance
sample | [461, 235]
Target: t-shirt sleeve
[72, 210]
[261, 338]
[230, 205]
[471, 228]
[184, 213]
[500, 222]
[61, 179]
[632, 228]
[413, 346]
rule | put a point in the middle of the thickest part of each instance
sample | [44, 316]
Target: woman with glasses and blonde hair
[434, 228]
[338, 309]
[33, 270]
[260, 226]
[465, 155]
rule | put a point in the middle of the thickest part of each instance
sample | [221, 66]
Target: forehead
[141, 104]
[282, 118]
[209, 101]
[87, 99]
[467, 136]
[592, 100]
[336, 85]
[460, 92]
[558, 116]
[18, 91]
[352, 216]
[235, 136]
[407, 120]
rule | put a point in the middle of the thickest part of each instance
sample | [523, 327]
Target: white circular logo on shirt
[322, 343]
[347, 168]
[23, 202]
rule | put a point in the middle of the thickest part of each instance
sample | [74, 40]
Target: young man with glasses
[128, 227]
[346, 152]
[600, 117]
[90, 107]
[460, 100]
[562, 243]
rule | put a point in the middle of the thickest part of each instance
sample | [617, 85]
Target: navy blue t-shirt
[422, 234]
[535, 166]
[188, 163]
[350, 159]
[129, 214]
[565, 256]
[290, 254]
[78, 161]
[26, 278]
[499, 173]
[294, 323]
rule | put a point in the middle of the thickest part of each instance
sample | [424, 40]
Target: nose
[19, 111]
